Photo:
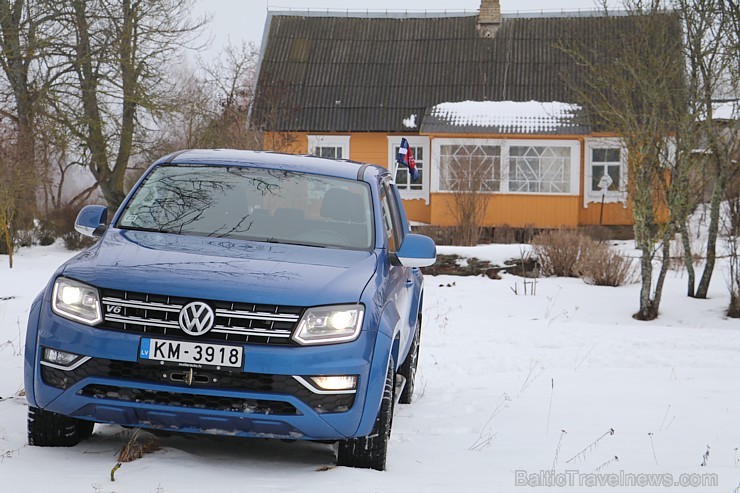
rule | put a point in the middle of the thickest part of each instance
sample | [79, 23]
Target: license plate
[191, 354]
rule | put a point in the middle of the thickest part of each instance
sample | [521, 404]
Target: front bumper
[264, 399]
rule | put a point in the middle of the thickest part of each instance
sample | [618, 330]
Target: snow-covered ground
[514, 390]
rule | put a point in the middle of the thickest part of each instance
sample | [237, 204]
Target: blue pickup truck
[235, 292]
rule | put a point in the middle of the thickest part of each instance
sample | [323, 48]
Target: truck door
[400, 278]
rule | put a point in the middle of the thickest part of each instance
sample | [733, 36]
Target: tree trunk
[95, 139]
[714, 213]
[734, 309]
[9, 245]
[688, 260]
[6, 232]
[115, 192]
[16, 62]
[658, 294]
[647, 310]
[645, 227]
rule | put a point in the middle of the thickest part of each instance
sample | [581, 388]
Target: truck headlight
[330, 324]
[76, 300]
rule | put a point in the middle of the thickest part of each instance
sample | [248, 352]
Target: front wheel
[48, 429]
[369, 452]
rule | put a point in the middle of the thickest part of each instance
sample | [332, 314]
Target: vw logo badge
[196, 318]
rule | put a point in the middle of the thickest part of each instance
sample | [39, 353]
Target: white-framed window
[407, 187]
[542, 167]
[606, 171]
[331, 146]
[470, 167]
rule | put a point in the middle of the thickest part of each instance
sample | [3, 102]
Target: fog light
[62, 360]
[334, 384]
[338, 382]
[58, 357]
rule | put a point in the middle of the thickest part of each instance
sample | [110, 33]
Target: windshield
[253, 203]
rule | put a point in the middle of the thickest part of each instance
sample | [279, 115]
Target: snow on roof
[722, 111]
[727, 110]
[410, 122]
[511, 116]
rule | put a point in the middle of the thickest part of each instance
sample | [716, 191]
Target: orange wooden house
[476, 91]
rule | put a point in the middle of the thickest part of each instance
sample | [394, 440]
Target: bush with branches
[571, 253]
[601, 266]
[59, 223]
[560, 250]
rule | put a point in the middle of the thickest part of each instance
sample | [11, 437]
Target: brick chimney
[489, 18]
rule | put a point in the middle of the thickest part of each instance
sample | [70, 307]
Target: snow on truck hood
[223, 269]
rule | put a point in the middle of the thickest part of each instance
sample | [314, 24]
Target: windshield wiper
[289, 242]
[149, 230]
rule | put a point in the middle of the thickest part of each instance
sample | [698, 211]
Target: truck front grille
[235, 322]
[203, 379]
[197, 401]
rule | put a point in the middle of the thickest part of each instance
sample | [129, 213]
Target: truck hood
[223, 269]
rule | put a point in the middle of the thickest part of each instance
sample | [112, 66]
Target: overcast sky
[245, 19]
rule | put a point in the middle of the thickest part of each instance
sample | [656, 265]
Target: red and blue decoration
[405, 157]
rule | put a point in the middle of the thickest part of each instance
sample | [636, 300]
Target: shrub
[504, 234]
[43, 233]
[60, 223]
[24, 238]
[469, 198]
[44, 236]
[28, 237]
[558, 251]
[602, 266]
[75, 241]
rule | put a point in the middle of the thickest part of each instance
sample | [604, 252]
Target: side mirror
[417, 251]
[91, 220]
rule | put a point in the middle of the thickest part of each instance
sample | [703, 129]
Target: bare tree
[24, 31]
[60, 168]
[470, 174]
[732, 231]
[192, 111]
[232, 79]
[113, 85]
[14, 181]
[211, 103]
[273, 109]
[635, 89]
[711, 50]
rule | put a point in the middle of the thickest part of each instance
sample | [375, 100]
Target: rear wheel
[408, 368]
[369, 452]
[48, 429]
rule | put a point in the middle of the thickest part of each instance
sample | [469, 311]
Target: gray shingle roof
[324, 74]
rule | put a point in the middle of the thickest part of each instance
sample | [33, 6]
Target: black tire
[408, 368]
[369, 452]
[48, 429]
[85, 429]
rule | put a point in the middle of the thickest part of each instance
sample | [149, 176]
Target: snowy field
[560, 388]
